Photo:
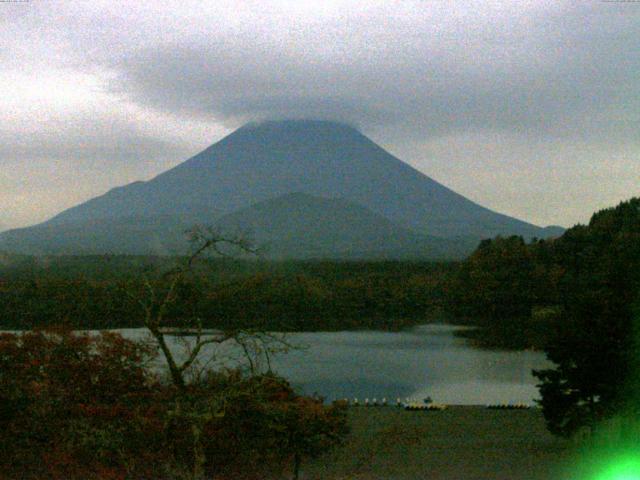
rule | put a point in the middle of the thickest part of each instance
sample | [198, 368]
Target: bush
[76, 406]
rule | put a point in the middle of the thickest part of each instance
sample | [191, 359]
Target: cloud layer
[531, 108]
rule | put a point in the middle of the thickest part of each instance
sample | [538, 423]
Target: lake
[428, 360]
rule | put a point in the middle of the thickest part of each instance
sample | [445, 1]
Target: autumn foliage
[80, 406]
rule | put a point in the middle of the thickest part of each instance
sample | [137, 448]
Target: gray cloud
[119, 149]
[569, 71]
[512, 103]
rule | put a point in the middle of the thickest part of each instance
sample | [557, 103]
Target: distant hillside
[292, 226]
[301, 226]
[161, 235]
[263, 162]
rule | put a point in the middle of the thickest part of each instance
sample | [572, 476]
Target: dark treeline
[524, 294]
[519, 293]
[102, 292]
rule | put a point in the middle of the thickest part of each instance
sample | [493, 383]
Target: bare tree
[255, 345]
[155, 302]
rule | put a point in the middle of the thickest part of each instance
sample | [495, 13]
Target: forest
[526, 294]
[96, 399]
[100, 292]
[517, 293]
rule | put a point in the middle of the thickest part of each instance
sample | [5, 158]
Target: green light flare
[604, 458]
[616, 467]
[626, 468]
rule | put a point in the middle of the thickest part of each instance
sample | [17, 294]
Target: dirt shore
[460, 443]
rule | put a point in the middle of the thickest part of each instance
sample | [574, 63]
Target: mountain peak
[268, 160]
[298, 124]
[297, 131]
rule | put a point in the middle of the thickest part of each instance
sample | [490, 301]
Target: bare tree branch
[196, 350]
[156, 305]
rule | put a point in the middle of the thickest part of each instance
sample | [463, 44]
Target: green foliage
[92, 293]
[572, 296]
[595, 348]
[510, 289]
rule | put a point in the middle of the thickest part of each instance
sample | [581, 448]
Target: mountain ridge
[323, 159]
[294, 225]
[337, 228]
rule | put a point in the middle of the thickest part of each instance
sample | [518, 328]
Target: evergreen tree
[594, 349]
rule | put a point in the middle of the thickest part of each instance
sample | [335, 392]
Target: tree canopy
[575, 297]
[595, 346]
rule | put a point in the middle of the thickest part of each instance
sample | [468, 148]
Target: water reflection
[426, 361]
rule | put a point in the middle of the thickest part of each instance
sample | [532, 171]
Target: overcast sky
[529, 108]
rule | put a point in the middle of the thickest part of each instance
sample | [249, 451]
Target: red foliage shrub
[79, 406]
[75, 405]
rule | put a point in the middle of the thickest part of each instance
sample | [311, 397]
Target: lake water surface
[425, 361]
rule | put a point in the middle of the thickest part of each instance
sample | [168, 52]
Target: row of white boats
[426, 404]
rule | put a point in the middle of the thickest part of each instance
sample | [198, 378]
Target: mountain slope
[160, 235]
[260, 162]
[301, 226]
[291, 226]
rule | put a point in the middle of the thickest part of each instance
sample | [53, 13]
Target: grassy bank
[460, 443]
